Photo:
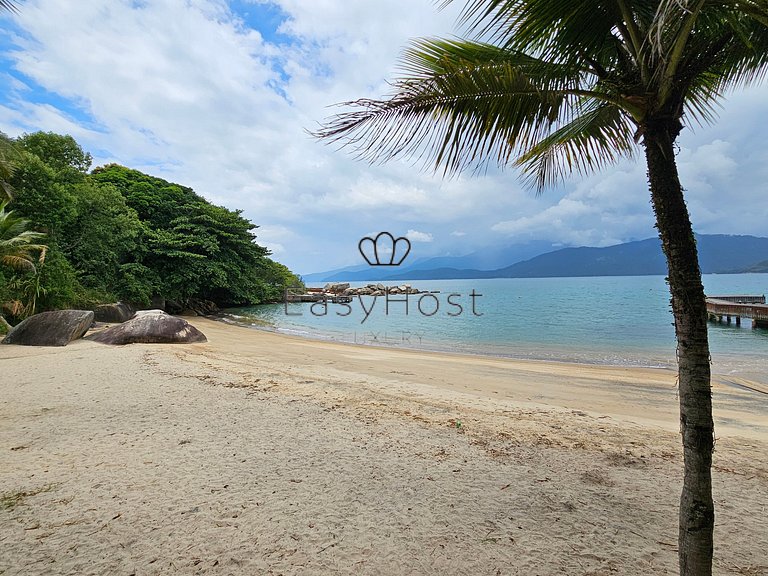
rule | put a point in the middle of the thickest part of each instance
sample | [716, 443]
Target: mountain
[491, 258]
[718, 254]
[759, 268]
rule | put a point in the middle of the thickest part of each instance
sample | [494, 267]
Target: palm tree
[557, 86]
[8, 156]
[17, 244]
[17, 251]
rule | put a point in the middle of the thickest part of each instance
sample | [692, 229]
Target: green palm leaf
[18, 245]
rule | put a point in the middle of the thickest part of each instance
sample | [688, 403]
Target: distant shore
[259, 451]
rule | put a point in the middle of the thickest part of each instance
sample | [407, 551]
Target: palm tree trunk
[697, 514]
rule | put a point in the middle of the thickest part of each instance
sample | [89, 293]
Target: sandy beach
[260, 453]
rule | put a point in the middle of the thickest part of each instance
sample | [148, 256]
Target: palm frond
[18, 262]
[9, 5]
[558, 86]
[17, 243]
[462, 104]
[599, 136]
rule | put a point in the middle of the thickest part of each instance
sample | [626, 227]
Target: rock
[113, 313]
[202, 307]
[150, 327]
[336, 287]
[55, 328]
[152, 311]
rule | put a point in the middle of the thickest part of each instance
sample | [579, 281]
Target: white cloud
[416, 236]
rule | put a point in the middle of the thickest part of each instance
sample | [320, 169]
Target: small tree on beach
[18, 244]
[557, 86]
[20, 252]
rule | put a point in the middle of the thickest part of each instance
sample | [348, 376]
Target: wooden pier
[738, 307]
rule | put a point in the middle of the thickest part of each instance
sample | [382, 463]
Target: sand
[258, 453]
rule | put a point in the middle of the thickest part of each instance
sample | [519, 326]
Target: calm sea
[624, 320]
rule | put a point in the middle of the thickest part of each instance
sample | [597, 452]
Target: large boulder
[150, 327]
[55, 328]
[113, 313]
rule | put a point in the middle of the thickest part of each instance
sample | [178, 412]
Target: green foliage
[61, 153]
[39, 194]
[19, 248]
[8, 157]
[119, 234]
[193, 248]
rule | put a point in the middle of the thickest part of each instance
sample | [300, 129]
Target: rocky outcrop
[150, 327]
[197, 307]
[186, 307]
[113, 313]
[380, 290]
[55, 328]
[336, 287]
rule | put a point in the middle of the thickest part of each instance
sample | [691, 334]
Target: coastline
[260, 451]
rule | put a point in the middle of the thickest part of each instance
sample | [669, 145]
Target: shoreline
[432, 346]
[259, 452]
[760, 386]
[563, 384]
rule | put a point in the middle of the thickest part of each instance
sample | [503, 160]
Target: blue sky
[218, 96]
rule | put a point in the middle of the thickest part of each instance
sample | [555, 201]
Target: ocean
[616, 320]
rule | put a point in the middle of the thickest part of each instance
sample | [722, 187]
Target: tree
[20, 252]
[18, 244]
[557, 86]
[8, 157]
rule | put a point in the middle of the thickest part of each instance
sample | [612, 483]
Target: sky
[219, 95]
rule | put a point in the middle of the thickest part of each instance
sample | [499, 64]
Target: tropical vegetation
[113, 233]
[561, 86]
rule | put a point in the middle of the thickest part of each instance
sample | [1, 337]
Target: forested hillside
[118, 234]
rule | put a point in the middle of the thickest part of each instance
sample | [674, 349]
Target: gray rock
[336, 287]
[150, 327]
[55, 328]
[152, 312]
[113, 313]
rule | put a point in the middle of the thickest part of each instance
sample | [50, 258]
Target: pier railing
[739, 307]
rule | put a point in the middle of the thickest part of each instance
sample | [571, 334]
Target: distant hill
[718, 254]
[760, 267]
[491, 258]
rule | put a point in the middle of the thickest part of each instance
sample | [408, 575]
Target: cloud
[416, 236]
[218, 96]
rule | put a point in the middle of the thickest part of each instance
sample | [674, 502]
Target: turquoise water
[605, 320]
